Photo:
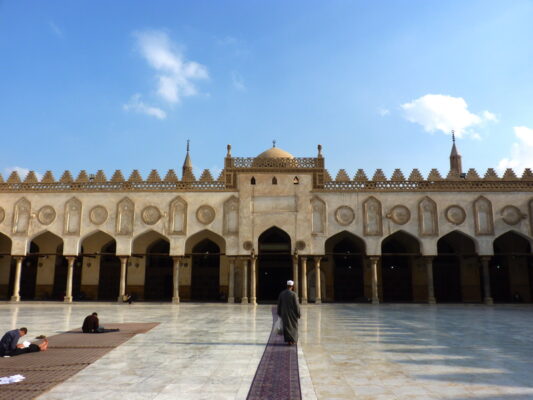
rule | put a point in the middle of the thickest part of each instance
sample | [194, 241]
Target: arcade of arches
[344, 273]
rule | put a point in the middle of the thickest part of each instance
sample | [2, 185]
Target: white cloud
[22, 172]
[174, 74]
[57, 31]
[521, 151]
[135, 104]
[437, 112]
[238, 82]
[383, 112]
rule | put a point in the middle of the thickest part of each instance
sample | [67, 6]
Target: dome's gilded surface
[275, 152]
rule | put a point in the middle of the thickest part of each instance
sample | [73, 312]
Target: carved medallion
[344, 215]
[46, 215]
[247, 245]
[98, 215]
[2, 214]
[205, 214]
[399, 215]
[455, 214]
[151, 215]
[300, 245]
[512, 215]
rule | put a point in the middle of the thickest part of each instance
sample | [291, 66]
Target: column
[304, 280]
[375, 293]
[431, 286]
[486, 279]
[231, 280]
[176, 280]
[122, 287]
[253, 279]
[244, 296]
[16, 283]
[295, 275]
[70, 273]
[318, 292]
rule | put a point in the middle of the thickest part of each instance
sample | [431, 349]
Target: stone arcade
[458, 238]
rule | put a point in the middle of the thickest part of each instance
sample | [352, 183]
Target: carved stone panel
[344, 215]
[125, 217]
[372, 218]
[98, 215]
[205, 214]
[455, 214]
[300, 245]
[150, 215]
[512, 215]
[247, 245]
[72, 217]
[483, 216]
[231, 216]
[178, 217]
[399, 214]
[21, 217]
[46, 215]
[318, 210]
[2, 215]
[427, 217]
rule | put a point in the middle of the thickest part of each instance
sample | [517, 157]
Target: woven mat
[277, 376]
[67, 354]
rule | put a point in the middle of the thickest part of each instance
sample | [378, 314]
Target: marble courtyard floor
[346, 351]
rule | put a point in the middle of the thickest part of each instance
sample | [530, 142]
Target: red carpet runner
[277, 376]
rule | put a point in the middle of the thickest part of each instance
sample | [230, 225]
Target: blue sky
[380, 84]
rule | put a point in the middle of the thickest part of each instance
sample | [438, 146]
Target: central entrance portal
[274, 264]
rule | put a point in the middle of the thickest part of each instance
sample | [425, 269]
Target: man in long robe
[91, 324]
[289, 312]
[9, 342]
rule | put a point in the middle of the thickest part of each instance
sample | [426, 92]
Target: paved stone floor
[211, 351]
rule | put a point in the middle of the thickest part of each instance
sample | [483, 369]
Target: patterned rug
[67, 354]
[277, 377]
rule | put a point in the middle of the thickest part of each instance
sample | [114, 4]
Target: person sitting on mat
[9, 346]
[91, 324]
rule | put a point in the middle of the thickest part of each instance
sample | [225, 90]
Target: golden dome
[275, 152]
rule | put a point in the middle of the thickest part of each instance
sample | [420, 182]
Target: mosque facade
[457, 237]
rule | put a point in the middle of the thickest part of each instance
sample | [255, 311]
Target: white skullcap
[290, 283]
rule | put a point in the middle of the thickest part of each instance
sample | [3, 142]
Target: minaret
[455, 158]
[186, 171]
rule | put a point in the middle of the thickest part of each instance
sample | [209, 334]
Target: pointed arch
[345, 257]
[274, 265]
[47, 241]
[401, 242]
[143, 241]
[522, 242]
[5, 244]
[196, 238]
[95, 240]
[470, 243]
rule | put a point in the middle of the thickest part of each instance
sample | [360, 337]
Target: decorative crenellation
[226, 180]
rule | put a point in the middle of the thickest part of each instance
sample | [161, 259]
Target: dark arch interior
[512, 256]
[453, 250]
[158, 275]
[205, 274]
[274, 264]
[347, 252]
[398, 252]
[109, 279]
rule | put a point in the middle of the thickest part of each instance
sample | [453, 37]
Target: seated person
[9, 344]
[91, 324]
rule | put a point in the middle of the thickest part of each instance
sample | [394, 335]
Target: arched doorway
[510, 268]
[158, 275]
[455, 250]
[205, 273]
[109, 277]
[61, 275]
[398, 253]
[346, 252]
[274, 264]
[28, 274]
[5, 266]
